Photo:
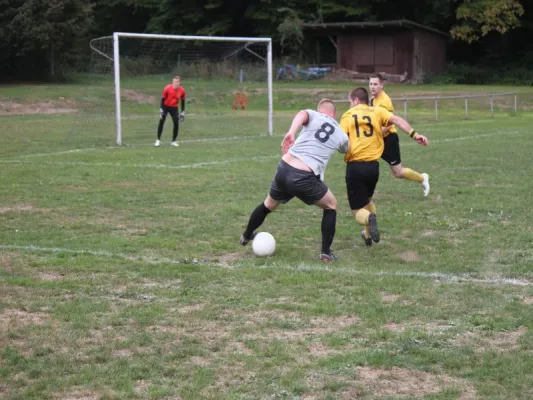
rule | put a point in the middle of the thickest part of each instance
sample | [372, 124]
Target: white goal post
[244, 40]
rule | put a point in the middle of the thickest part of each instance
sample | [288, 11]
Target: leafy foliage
[49, 36]
[479, 17]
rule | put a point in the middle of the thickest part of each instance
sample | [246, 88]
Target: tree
[479, 17]
[53, 27]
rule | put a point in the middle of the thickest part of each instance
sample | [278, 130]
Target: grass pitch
[121, 276]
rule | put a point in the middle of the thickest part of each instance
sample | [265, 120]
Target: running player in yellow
[364, 126]
[391, 153]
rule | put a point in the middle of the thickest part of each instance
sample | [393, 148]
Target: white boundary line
[159, 166]
[220, 139]
[210, 163]
[302, 268]
[57, 153]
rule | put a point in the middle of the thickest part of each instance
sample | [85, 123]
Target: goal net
[228, 84]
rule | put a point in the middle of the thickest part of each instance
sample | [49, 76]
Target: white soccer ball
[264, 244]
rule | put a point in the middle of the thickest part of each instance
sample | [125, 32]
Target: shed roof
[383, 24]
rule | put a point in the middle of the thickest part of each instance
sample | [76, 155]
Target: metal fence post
[492, 107]
[436, 109]
[466, 107]
[515, 103]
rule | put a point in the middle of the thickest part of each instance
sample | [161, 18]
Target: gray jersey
[318, 141]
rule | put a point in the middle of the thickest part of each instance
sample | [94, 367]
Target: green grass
[121, 276]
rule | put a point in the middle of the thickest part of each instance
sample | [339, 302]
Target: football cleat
[328, 257]
[373, 227]
[175, 144]
[244, 240]
[157, 143]
[368, 240]
[425, 184]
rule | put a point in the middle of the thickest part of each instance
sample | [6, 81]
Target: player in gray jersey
[301, 170]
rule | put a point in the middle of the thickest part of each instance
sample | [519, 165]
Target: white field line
[456, 139]
[302, 268]
[211, 163]
[220, 139]
[164, 166]
[57, 153]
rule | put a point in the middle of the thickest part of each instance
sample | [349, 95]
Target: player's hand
[161, 112]
[287, 142]
[421, 139]
[182, 116]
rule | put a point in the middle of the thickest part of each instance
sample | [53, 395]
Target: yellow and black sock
[412, 175]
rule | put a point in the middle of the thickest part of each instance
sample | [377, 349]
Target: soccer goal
[228, 81]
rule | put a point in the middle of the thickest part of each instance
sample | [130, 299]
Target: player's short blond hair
[326, 101]
[176, 77]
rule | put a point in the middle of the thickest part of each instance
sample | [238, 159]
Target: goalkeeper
[172, 94]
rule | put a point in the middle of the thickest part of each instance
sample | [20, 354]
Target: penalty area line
[57, 153]
[436, 276]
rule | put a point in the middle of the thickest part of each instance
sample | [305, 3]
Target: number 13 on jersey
[363, 124]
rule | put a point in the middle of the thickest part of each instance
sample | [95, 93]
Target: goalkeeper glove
[182, 116]
[161, 112]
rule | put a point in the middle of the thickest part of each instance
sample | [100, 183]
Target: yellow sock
[372, 208]
[411, 175]
[361, 216]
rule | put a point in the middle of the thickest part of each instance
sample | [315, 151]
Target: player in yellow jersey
[391, 154]
[364, 126]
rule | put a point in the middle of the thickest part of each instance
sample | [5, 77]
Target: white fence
[466, 97]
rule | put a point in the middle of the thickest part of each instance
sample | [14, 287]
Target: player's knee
[330, 202]
[270, 203]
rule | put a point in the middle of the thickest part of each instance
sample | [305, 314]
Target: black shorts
[173, 111]
[391, 153]
[291, 182]
[361, 180]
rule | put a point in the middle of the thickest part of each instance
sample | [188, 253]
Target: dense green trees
[43, 38]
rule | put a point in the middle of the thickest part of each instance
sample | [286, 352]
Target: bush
[478, 75]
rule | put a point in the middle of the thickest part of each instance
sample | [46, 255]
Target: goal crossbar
[245, 40]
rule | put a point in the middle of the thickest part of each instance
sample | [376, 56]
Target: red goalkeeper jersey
[172, 96]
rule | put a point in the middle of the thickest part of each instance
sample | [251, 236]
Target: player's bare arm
[407, 128]
[299, 120]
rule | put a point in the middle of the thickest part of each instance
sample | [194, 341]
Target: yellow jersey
[383, 100]
[362, 123]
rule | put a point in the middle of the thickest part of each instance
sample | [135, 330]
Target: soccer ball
[264, 244]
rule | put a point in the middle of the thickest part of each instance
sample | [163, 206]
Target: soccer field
[122, 277]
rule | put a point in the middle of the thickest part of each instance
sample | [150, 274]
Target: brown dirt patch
[123, 353]
[22, 208]
[399, 382]
[322, 350]
[137, 96]
[199, 361]
[235, 347]
[48, 107]
[14, 318]
[229, 376]
[498, 341]
[190, 308]
[433, 327]
[389, 298]
[6, 261]
[527, 300]
[228, 259]
[409, 256]
[395, 327]
[313, 327]
[429, 233]
[50, 276]
[78, 394]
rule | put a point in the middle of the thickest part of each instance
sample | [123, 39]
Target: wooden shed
[394, 47]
